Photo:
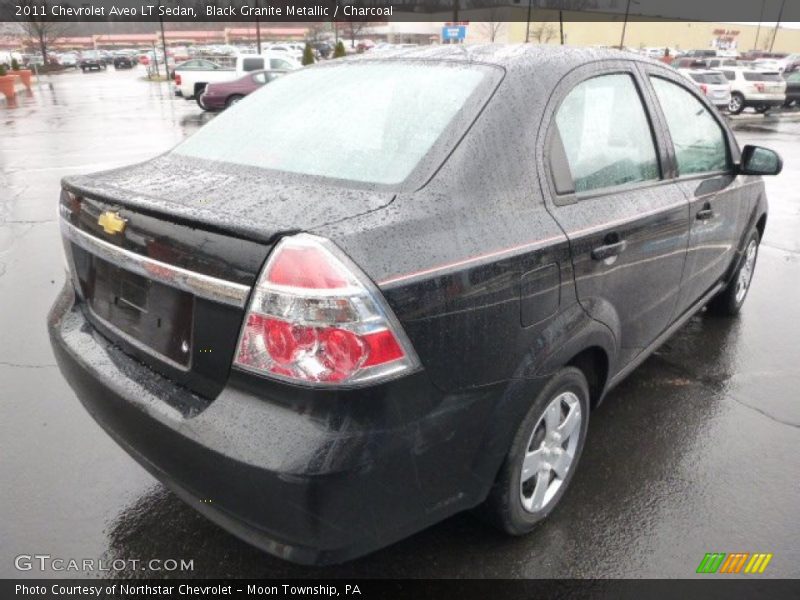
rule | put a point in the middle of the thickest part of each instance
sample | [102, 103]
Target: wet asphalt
[697, 451]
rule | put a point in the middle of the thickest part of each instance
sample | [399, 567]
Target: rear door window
[762, 76]
[606, 134]
[699, 140]
[252, 64]
[279, 63]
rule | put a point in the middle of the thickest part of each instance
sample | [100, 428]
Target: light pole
[625, 22]
[760, 18]
[777, 25]
[258, 28]
[528, 23]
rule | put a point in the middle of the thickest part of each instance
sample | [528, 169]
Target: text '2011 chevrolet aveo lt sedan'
[378, 292]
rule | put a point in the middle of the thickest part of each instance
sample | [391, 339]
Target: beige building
[606, 30]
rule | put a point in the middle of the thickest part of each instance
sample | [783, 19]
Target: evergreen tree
[308, 55]
[339, 51]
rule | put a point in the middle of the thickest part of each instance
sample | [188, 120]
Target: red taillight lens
[704, 89]
[315, 318]
[305, 268]
[760, 87]
[177, 78]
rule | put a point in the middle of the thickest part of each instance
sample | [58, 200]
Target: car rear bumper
[720, 101]
[765, 100]
[213, 102]
[311, 482]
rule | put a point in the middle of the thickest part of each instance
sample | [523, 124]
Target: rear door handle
[609, 250]
[705, 213]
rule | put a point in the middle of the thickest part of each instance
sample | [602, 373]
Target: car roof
[703, 71]
[559, 58]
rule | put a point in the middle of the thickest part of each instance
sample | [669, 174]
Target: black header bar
[304, 11]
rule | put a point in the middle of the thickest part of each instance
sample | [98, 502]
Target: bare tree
[545, 32]
[37, 30]
[353, 28]
[493, 26]
[317, 31]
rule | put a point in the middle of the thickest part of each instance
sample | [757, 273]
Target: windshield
[368, 122]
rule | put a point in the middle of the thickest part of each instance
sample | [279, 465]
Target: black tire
[504, 506]
[233, 100]
[736, 105]
[729, 301]
[197, 98]
[787, 103]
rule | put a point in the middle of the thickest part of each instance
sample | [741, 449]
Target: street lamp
[777, 25]
[625, 22]
[760, 19]
[528, 23]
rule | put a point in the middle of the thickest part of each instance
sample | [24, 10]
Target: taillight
[315, 318]
[177, 78]
[760, 87]
[704, 88]
[69, 205]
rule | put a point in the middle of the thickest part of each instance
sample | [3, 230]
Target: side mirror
[760, 161]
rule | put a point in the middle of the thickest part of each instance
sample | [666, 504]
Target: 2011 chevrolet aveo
[381, 291]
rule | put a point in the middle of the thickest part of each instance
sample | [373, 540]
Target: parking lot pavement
[697, 451]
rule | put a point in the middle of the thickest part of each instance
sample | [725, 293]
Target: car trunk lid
[164, 255]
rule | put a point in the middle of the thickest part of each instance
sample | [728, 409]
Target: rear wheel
[543, 455]
[729, 301]
[232, 100]
[736, 104]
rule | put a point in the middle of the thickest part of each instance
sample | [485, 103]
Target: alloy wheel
[746, 272]
[550, 451]
[735, 104]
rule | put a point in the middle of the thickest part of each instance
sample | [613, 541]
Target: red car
[227, 93]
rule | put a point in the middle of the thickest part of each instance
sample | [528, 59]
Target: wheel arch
[594, 363]
[584, 343]
[761, 225]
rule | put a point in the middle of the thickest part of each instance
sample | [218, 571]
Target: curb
[763, 119]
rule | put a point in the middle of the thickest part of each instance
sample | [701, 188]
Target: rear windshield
[367, 122]
[710, 78]
[762, 77]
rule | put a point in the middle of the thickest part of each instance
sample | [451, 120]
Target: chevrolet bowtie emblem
[112, 223]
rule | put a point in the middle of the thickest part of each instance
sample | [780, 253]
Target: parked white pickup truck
[192, 76]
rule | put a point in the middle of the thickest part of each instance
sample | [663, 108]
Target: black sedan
[91, 61]
[384, 290]
[124, 61]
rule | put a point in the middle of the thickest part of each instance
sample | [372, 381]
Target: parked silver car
[713, 84]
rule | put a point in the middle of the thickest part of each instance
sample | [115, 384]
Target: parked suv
[124, 61]
[352, 305]
[759, 89]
